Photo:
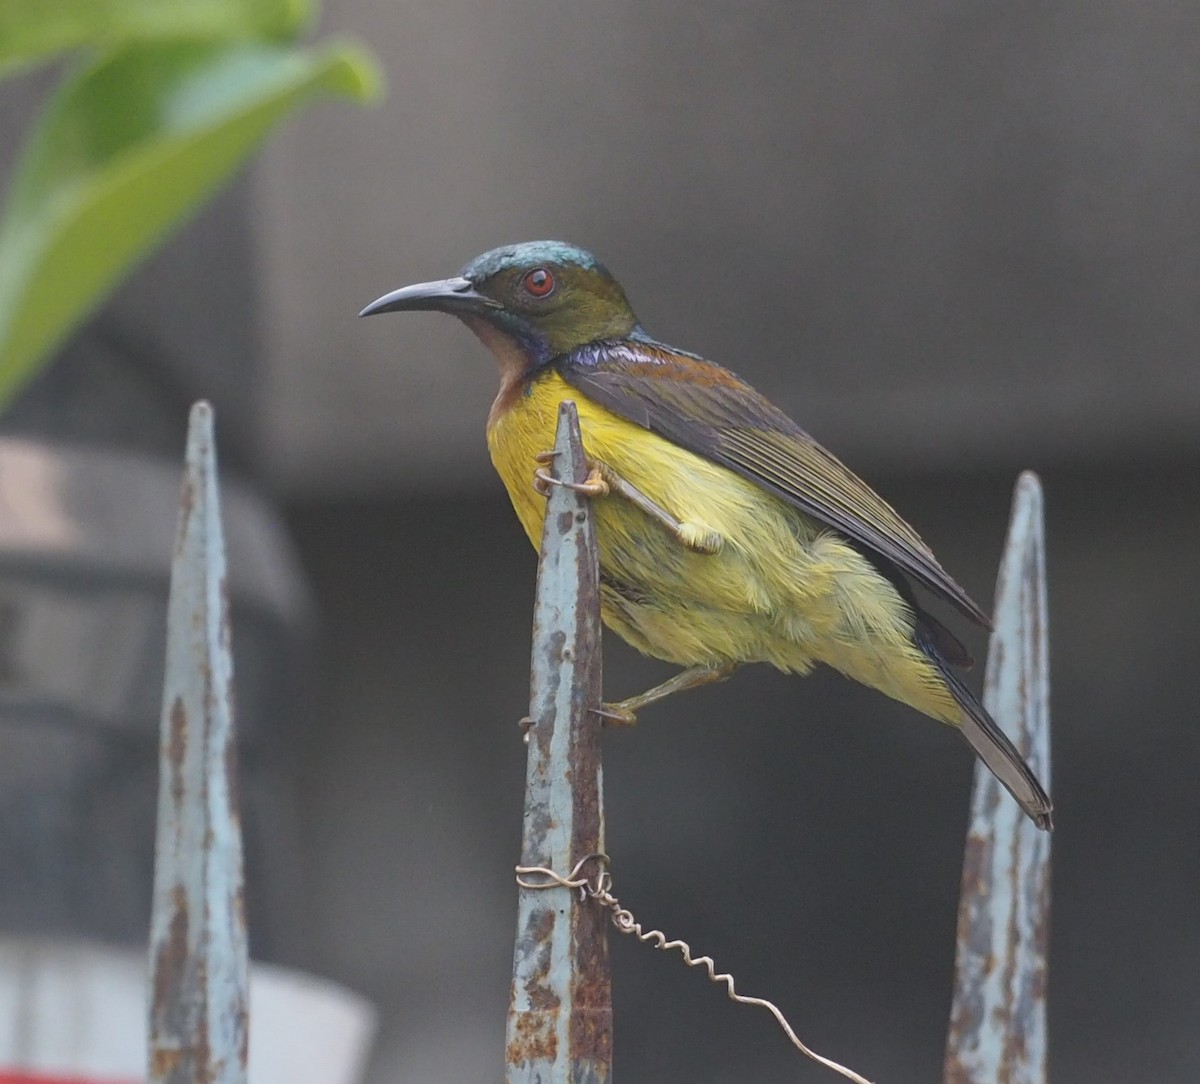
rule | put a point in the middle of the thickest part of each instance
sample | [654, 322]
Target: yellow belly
[782, 590]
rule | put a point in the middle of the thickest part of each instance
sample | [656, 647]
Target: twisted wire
[599, 888]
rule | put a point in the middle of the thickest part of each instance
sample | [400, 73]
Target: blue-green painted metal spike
[998, 1021]
[198, 1027]
[560, 1015]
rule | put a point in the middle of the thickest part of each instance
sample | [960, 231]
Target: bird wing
[711, 412]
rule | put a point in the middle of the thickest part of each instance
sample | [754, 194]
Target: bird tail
[992, 746]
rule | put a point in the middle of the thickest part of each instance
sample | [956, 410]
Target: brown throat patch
[514, 364]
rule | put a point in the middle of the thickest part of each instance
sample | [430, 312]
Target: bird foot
[610, 715]
[700, 539]
[616, 715]
[594, 485]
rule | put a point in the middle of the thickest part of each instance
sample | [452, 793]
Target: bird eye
[538, 282]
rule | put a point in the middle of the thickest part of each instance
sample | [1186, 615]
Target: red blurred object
[50, 1078]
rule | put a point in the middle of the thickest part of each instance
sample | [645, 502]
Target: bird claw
[700, 539]
[610, 715]
[593, 486]
[615, 715]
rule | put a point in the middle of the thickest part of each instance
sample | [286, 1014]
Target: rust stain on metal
[170, 965]
[536, 1040]
[537, 948]
[243, 1052]
[954, 1071]
[177, 747]
[239, 907]
[164, 1063]
[204, 1069]
[226, 609]
[541, 927]
[1008, 1016]
[232, 790]
[541, 998]
[180, 984]
[187, 505]
[591, 1032]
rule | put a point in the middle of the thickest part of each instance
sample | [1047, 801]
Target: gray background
[954, 241]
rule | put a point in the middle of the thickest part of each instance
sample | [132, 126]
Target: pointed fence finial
[998, 1020]
[560, 1012]
[198, 1029]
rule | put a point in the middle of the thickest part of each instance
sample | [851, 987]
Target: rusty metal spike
[998, 1020]
[198, 1026]
[560, 1014]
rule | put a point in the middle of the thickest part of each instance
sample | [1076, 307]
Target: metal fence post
[998, 1020]
[198, 1027]
[560, 1014]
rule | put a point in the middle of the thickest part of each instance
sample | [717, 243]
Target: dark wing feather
[711, 412]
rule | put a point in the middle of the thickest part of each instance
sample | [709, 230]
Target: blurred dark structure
[90, 468]
[953, 242]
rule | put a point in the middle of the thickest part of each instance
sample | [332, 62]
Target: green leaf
[32, 30]
[127, 150]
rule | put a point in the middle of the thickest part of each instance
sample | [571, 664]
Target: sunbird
[727, 535]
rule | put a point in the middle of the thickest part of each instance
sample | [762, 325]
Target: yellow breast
[782, 590]
[636, 550]
[674, 477]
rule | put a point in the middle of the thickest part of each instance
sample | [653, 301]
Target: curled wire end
[574, 879]
[599, 888]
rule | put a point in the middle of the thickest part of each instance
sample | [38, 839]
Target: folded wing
[711, 412]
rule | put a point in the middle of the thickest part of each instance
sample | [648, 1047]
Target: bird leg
[625, 712]
[602, 480]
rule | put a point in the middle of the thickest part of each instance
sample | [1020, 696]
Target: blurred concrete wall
[938, 233]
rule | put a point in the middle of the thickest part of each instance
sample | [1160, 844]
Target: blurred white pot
[77, 1012]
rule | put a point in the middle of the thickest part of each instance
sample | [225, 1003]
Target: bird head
[529, 303]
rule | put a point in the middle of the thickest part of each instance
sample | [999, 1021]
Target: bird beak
[447, 295]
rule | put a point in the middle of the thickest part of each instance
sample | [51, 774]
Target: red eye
[539, 282]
